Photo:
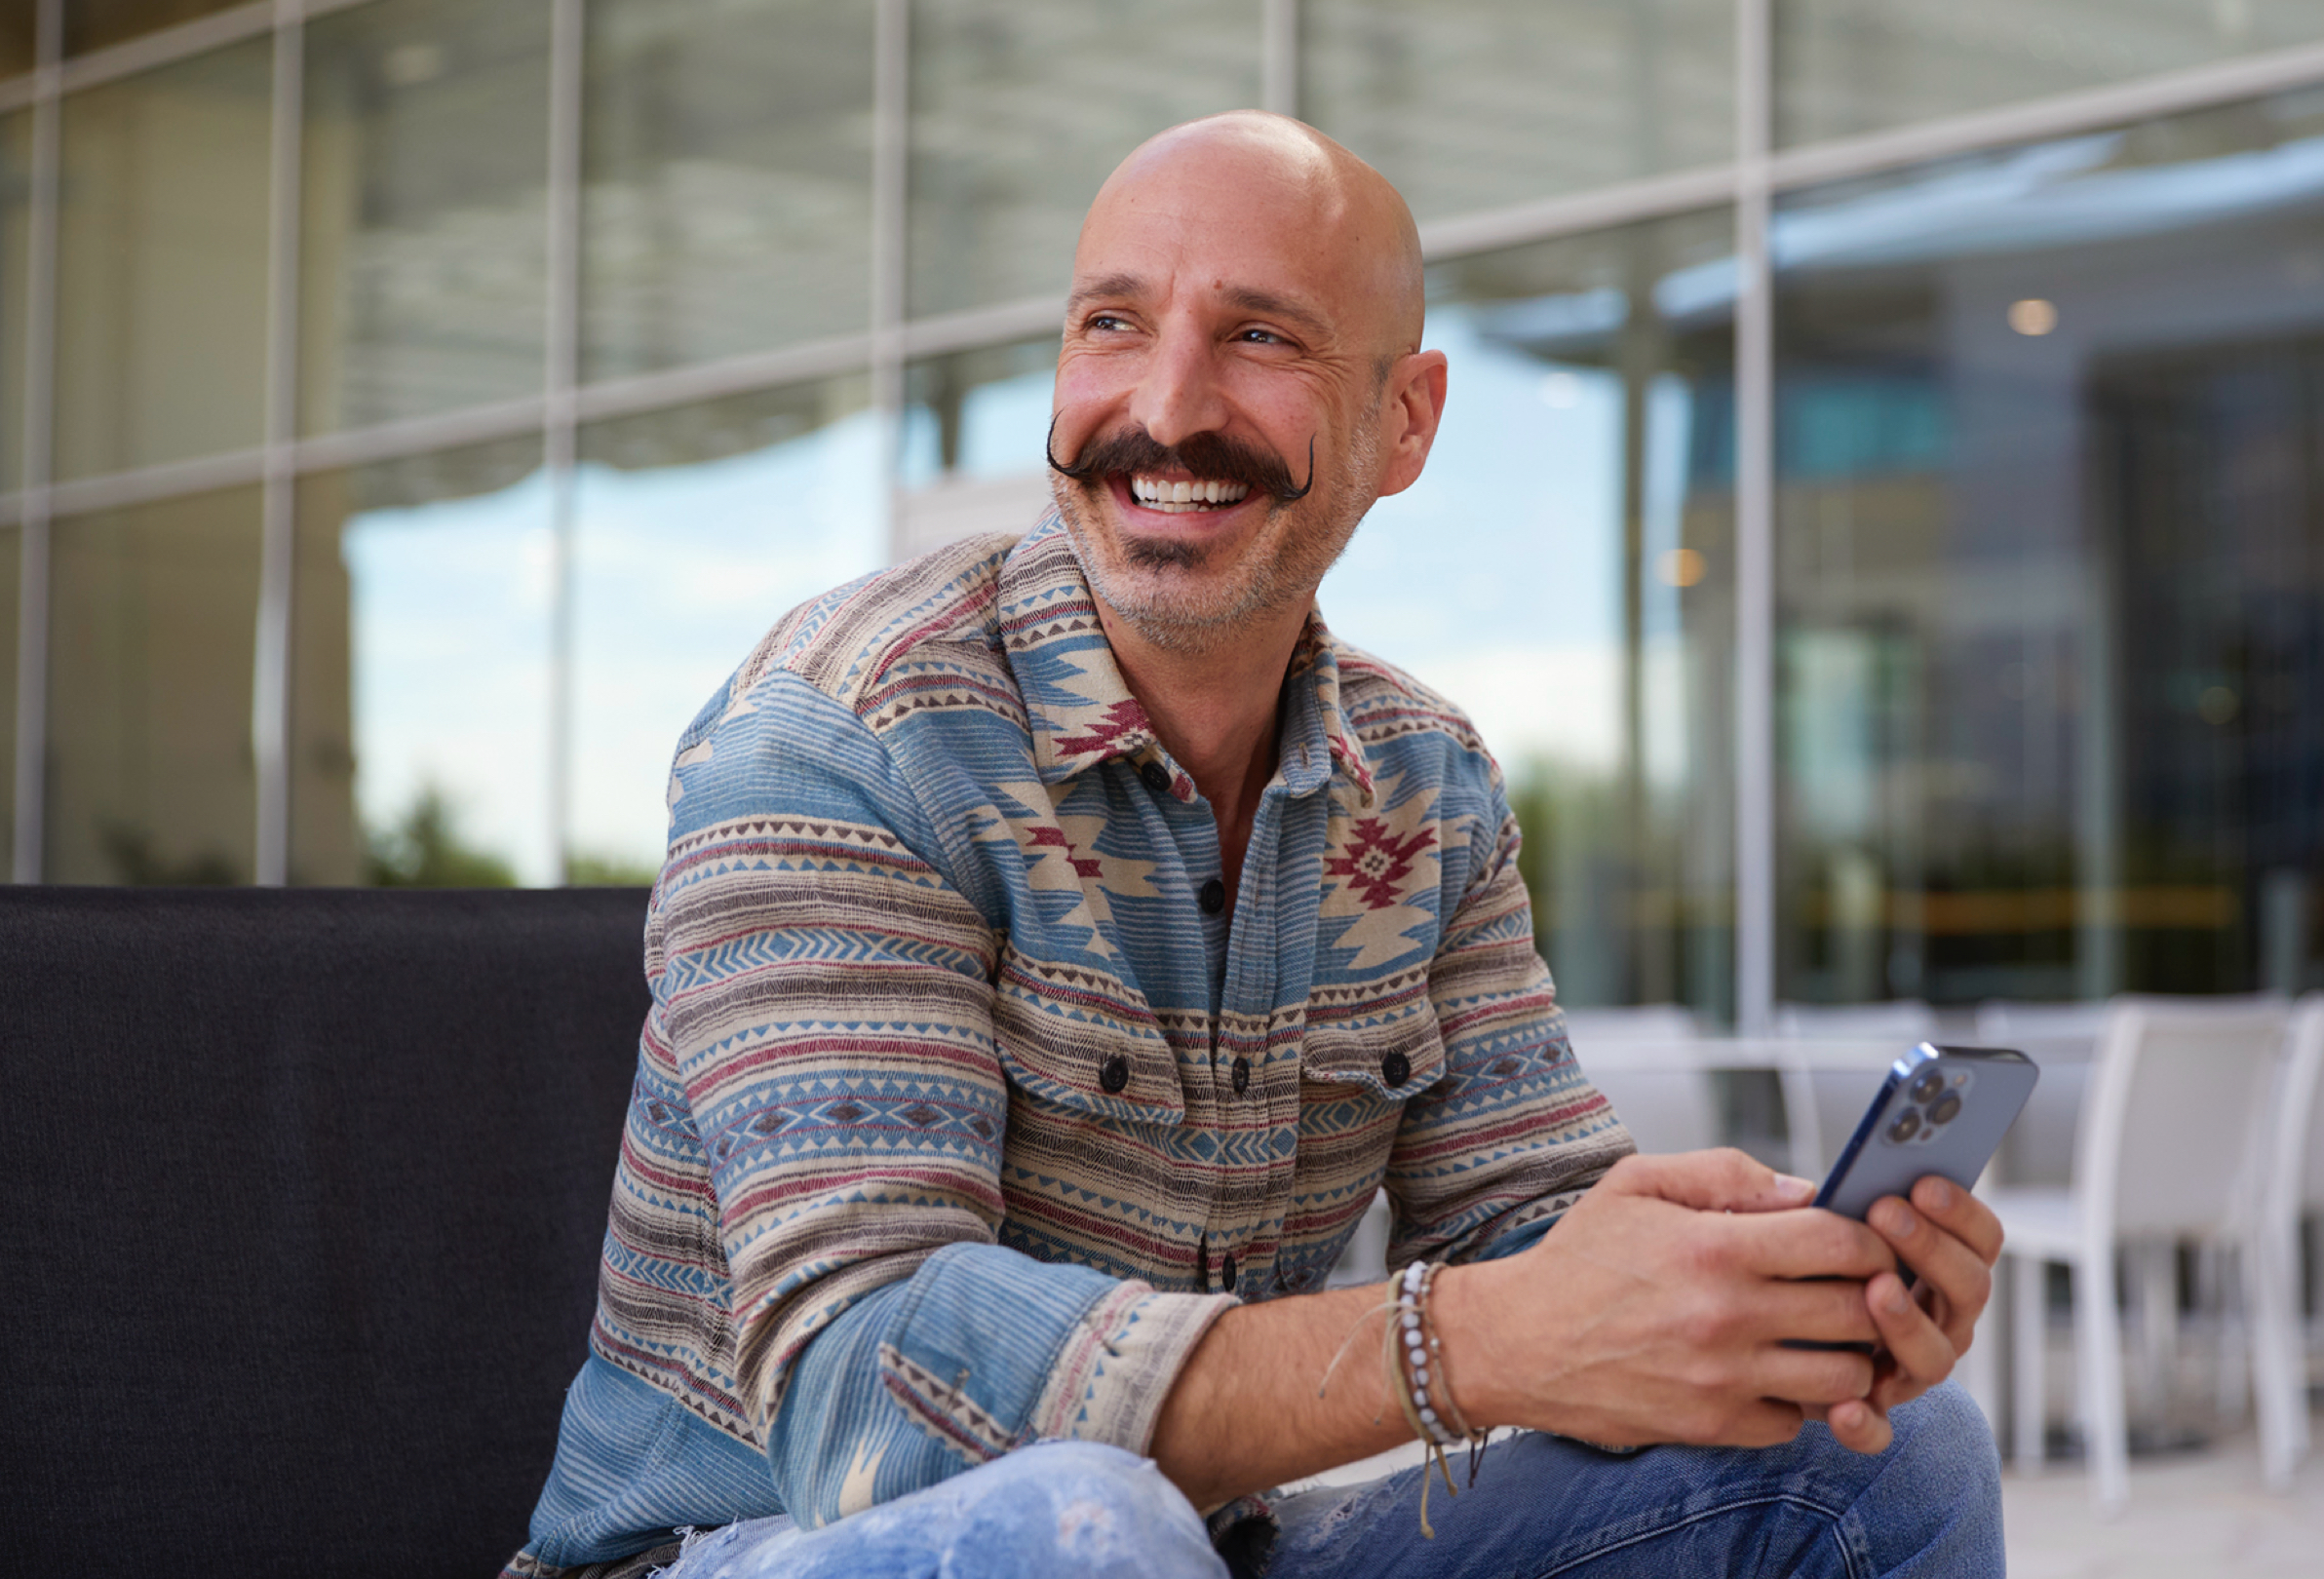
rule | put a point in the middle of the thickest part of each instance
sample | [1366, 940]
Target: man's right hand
[1658, 1308]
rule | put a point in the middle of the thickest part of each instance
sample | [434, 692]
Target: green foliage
[136, 862]
[584, 870]
[424, 849]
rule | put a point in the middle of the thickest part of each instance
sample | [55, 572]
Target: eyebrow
[1274, 306]
[1248, 298]
[1106, 284]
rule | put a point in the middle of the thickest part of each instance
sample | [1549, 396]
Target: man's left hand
[1951, 1239]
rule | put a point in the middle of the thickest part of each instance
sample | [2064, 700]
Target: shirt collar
[1080, 709]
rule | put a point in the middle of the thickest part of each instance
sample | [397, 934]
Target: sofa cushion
[303, 1192]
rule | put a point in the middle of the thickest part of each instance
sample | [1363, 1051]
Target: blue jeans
[1930, 1506]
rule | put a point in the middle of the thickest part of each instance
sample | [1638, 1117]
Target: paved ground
[2196, 1515]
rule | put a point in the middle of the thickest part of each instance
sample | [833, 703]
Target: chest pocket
[1396, 1060]
[1083, 1040]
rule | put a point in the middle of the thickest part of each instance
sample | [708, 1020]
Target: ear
[1410, 407]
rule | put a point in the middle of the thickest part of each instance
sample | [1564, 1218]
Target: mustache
[1212, 456]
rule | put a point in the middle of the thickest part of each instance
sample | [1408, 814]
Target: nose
[1178, 394]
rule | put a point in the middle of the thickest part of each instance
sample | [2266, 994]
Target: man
[1060, 943]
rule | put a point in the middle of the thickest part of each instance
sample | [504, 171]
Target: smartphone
[1942, 1110]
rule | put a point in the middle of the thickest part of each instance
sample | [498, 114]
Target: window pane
[1020, 109]
[16, 41]
[12, 551]
[969, 460]
[421, 672]
[153, 617]
[423, 280]
[92, 24]
[1563, 571]
[728, 205]
[2051, 567]
[15, 222]
[1474, 103]
[160, 278]
[1845, 66]
[699, 528]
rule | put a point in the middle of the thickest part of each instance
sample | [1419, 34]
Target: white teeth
[1175, 497]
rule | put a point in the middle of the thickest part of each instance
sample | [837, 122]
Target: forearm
[1251, 1409]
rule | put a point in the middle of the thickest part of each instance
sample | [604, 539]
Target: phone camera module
[1943, 1108]
[1907, 1126]
[1928, 1086]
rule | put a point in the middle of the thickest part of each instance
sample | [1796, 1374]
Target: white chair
[1645, 1062]
[2062, 1038]
[2166, 1149]
[1821, 1105]
[2296, 1186]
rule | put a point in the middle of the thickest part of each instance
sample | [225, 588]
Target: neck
[1217, 713]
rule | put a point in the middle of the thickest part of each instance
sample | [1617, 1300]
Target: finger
[1960, 1214]
[1811, 1245]
[1963, 1277]
[1821, 1312]
[1820, 1377]
[1721, 1181]
[1757, 1423]
[1858, 1425]
[1922, 1351]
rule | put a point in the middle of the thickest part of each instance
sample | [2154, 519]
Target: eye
[1105, 322]
[1260, 337]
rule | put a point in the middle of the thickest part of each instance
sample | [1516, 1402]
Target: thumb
[1721, 1180]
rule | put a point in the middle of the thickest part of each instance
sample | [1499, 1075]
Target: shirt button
[1395, 1069]
[1213, 897]
[1114, 1073]
[1241, 1076]
[1156, 777]
[1227, 1275]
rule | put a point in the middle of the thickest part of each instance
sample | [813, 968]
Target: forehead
[1203, 235]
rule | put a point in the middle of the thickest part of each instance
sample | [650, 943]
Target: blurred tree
[424, 849]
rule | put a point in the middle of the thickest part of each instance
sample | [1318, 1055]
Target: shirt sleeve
[826, 990]
[1492, 1154]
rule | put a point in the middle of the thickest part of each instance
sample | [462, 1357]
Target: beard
[1196, 597]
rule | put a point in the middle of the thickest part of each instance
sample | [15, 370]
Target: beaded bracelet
[1415, 1359]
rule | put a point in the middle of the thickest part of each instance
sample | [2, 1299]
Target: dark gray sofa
[300, 1202]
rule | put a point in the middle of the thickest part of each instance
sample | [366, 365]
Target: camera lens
[1907, 1126]
[1942, 1110]
[1928, 1086]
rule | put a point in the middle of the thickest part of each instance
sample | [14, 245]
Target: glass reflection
[423, 215]
[969, 455]
[17, 41]
[161, 273]
[92, 24]
[1845, 66]
[1474, 103]
[1563, 570]
[696, 531]
[729, 200]
[2051, 567]
[150, 776]
[15, 222]
[421, 672]
[1020, 109]
[11, 548]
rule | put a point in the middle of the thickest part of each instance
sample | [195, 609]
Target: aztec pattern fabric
[966, 1102]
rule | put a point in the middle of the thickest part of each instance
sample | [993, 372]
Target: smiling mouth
[1186, 495]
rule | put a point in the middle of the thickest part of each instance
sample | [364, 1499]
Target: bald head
[1240, 377]
[1285, 185]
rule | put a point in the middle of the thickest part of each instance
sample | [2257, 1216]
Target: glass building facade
[1878, 523]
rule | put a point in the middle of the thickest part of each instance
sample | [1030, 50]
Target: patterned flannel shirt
[963, 1108]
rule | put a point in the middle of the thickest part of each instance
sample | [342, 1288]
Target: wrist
[1462, 1302]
